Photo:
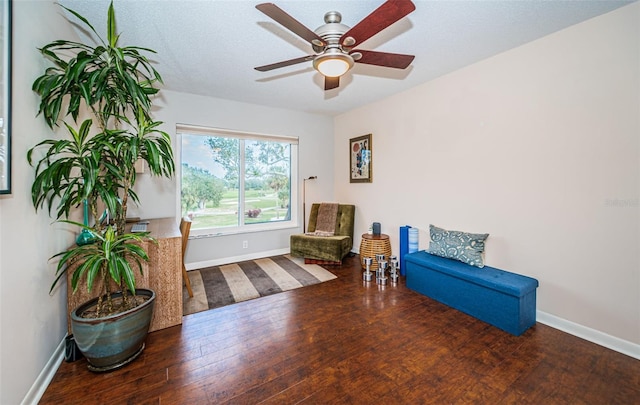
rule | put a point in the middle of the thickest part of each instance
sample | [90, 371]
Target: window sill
[205, 233]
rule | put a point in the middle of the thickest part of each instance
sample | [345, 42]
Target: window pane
[235, 182]
[267, 181]
[210, 181]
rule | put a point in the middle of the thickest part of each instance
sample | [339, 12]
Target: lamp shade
[333, 63]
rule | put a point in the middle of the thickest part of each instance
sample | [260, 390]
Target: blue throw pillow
[465, 247]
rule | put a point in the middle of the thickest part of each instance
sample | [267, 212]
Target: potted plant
[96, 165]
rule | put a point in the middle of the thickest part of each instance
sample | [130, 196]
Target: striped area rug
[217, 286]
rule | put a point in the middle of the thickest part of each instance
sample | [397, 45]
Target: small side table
[372, 245]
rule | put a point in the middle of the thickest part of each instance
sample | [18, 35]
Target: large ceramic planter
[113, 341]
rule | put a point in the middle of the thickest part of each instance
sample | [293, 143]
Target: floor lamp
[304, 202]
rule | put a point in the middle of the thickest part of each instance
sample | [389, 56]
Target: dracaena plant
[108, 79]
[112, 85]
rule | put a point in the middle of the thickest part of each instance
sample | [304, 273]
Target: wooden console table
[162, 274]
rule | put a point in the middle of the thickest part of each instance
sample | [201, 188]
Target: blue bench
[503, 299]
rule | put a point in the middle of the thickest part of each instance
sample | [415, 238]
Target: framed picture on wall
[360, 159]
[5, 97]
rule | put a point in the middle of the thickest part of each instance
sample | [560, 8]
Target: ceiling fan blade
[331, 82]
[382, 17]
[284, 63]
[392, 60]
[290, 23]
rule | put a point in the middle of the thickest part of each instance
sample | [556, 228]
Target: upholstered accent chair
[326, 249]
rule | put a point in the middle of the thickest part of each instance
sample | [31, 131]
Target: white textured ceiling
[210, 47]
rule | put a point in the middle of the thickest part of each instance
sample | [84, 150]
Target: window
[237, 182]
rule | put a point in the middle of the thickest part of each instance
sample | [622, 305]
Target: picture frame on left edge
[360, 159]
[5, 97]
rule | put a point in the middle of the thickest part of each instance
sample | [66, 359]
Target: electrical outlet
[245, 244]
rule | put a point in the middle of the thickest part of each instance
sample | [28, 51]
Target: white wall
[32, 322]
[315, 149]
[538, 146]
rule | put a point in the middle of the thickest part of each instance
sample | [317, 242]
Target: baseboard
[46, 375]
[592, 335]
[235, 259]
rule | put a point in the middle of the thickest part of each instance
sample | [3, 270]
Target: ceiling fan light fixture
[333, 42]
[333, 64]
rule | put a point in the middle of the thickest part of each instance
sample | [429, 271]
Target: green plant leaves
[68, 170]
[96, 161]
[112, 254]
[111, 80]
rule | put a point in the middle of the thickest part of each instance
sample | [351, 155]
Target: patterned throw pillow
[462, 246]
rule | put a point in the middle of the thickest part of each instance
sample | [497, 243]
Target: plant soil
[117, 304]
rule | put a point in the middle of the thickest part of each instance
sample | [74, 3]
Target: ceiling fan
[333, 42]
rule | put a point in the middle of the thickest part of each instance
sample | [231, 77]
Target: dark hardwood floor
[345, 342]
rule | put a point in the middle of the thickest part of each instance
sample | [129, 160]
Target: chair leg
[186, 280]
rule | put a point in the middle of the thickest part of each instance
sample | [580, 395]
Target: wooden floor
[345, 342]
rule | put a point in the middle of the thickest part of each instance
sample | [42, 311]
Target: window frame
[292, 222]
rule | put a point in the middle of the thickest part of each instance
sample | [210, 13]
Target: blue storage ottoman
[503, 299]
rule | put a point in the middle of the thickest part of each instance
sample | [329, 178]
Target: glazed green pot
[113, 341]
